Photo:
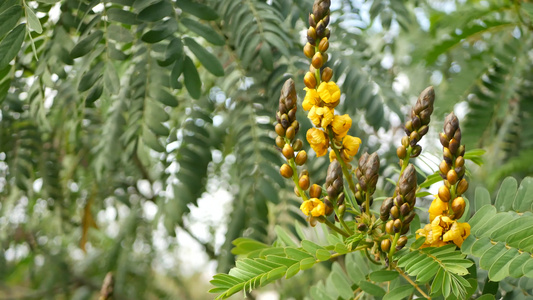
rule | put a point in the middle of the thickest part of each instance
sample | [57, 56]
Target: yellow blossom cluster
[321, 103]
[313, 207]
[442, 229]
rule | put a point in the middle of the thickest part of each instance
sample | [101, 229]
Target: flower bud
[296, 145]
[280, 142]
[310, 80]
[362, 227]
[409, 218]
[301, 158]
[444, 194]
[316, 191]
[458, 207]
[405, 228]
[287, 151]
[405, 141]
[414, 137]
[389, 227]
[462, 186]
[452, 177]
[405, 209]
[445, 142]
[317, 60]
[309, 50]
[280, 130]
[459, 162]
[290, 133]
[286, 171]
[416, 122]
[395, 212]
[303, 182]
[444, 167]
[401, 152]
[397, 225]
[285, 121]
[342, 209]
[417, 149]
[461, 151]
[323, 45]
[447, 156]
[454, 145]
[312, 21]
[408, 127]
[329, 207]
[340, 199]
[313, 221]
[385, 245]
[311, 35]
[423, 130]
[296, 191]
[327, 73]
[402, 241]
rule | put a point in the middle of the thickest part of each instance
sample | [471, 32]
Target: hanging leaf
[200, 10]
[87, 44]
[207, 32]
[9, 18]
[33, 21]
[156, 11]
[160, 31]
[208, 60]
[10, 45]
[111, 80]
[192, 79]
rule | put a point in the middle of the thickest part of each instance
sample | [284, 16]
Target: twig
[412, 283]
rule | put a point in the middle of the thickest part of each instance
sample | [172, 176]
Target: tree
[110, 105]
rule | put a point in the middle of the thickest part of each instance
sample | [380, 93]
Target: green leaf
[208, 60]
[200, 10]
[160, 31]
[87, 44]
[207, 32]
[89, 79]
[383, 275]
[119, 34]
[10, 45]
[156, 11]
[33, 21]
[371, 289]
[122, 16]
[400, 292]
[192, 79]
[9, 18]
[506, 194]
[111, 80]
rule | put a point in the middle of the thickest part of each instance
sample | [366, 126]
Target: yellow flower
[311, 99]
[437, 208]
[313, 207]
[320, 116]
[341, 125]
[332, 156]
[426, 232]
[457, 233]
[329, 92]
[439, 226]
[350, 145]
[318, 140]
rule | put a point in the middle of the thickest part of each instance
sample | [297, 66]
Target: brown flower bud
[409, 217]
[312, 21]
[401, 152]
[385, 245]
[414, 137]
[408, 127]
[309, 50]
[397, 225]
[327, 73]
[461, 151]
[444, 167]
[323, 45]
[317, 60]
[444, 140]
[290, 133]
[280, 142]
[310, 80]
[286, 171]
[417, 149]
[301, 158]
[462, 186]
[316, 191]
[452, 177]
[389, 227]
[303, 182]
[405, 141]
[320, 29]
[297, 145]
[447, 156]
[444, 194]
[385, 209]
[311, 35]
[287, 151]
[402, 241]
[459, 162]
[362, 227]
[313, 221]
[405, 209]
[329, 207]
[454, 145]
[416, 122]
[292, 114]
[423, 130]
[458, 207]
[280, 130]
[285, 121]
[395, 212]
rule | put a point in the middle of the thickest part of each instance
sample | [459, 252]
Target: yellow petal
[329, 92]
[437, 208]
[341, 125]
[351, 144]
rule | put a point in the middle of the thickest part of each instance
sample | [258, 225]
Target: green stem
[341, 220]
[393, 248]
[367, 203]
[295, 178]
[335, 228]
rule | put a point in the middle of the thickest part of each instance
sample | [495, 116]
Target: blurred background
[136, 136]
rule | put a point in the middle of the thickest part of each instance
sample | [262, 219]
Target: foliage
[110, 108]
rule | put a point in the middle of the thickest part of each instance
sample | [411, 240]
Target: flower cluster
[323, 95]
[448, 206]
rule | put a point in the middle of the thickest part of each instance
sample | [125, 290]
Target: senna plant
[396, 257]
